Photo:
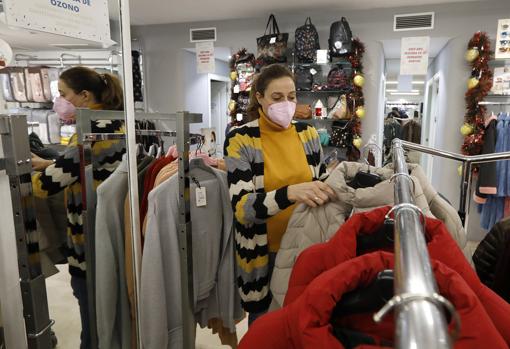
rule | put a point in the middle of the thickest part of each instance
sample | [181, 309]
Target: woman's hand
[40, 164]
[312, 194]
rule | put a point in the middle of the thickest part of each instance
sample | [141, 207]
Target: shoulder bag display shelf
[182, 135]
[22, 287]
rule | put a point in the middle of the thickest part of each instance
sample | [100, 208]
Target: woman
[272, 165]
[80, 87]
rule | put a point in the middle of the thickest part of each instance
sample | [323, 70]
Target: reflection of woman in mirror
[80, 87]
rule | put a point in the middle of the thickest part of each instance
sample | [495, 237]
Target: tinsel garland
[475, 113]
[355, 99]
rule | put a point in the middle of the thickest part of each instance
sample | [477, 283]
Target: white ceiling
[144, 12]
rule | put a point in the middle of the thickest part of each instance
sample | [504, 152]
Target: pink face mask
[65, 109]
[281, 113]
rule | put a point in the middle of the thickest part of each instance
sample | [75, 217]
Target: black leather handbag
[340, 38]
[304, 79]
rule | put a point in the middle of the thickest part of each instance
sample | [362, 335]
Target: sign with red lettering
[205, 57]
[414, 56]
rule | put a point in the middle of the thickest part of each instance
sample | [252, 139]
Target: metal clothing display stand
[16, 162]
[85, 137]
[467, 171]
[419, 317]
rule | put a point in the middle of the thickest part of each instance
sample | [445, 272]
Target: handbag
[303, 112]
[340, 38]
[272, 46]
[5, 80]
[337, 80]
[304, 79]
[341, 134]
[18, 84]
[306, 42]
[338, 108]
[242, 103]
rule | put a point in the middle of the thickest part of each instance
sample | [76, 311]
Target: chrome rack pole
[420, 324]
[185, 238]
[467, 171]
[17, 163]
[84, 126]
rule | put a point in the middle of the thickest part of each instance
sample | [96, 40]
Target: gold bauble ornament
[472, 83]
[467, 129]
[232, 105]
[359, 80]
[459, 170]
[357, 142]
[360, 112]
[233, 75]
[472, 55]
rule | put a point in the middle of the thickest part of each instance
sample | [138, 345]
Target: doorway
[430, 121]
[219, 91]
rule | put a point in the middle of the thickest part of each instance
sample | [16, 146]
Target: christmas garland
[240, 96]
[479, 85]
[355, 99]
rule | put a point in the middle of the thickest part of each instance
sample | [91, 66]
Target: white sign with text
[414, 55]
[80, 19]
[205, 57]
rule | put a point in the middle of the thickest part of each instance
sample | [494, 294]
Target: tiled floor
[64, 310]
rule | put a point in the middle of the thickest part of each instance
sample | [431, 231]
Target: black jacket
[492, 259]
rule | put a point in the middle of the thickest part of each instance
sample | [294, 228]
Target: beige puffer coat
[309, 226]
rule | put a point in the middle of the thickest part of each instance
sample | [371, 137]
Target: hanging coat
[319, 258]
[306, 323]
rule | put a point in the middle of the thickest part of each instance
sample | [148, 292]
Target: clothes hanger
[364, 179]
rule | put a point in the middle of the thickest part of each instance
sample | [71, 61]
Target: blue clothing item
[501, 166]
[492, 211]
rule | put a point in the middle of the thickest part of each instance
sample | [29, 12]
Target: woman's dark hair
[106, 88]
[260, 84]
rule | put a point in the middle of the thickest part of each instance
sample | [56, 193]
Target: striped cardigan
[252, 205]
[64, 174]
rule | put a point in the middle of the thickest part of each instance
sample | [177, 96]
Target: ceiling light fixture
[405, 94]
[394, 90]
[394, 82]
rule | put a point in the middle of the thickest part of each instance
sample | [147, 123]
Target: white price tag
[313, 71]
[236, 89]
[201, 196]
[272, 40]
[239, 117]
[322, 56]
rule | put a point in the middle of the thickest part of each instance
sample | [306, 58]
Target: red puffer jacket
[321, 257]
[305, 323]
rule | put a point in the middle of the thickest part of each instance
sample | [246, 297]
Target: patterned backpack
[307, 42]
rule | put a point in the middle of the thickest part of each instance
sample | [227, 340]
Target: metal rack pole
[419, 324]
[13, 130]
[467, 171]
[185, 238]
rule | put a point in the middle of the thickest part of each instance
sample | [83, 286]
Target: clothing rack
[420, 321]
[85, 137]
[467, 171]
[67, 59]
[22, 285]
